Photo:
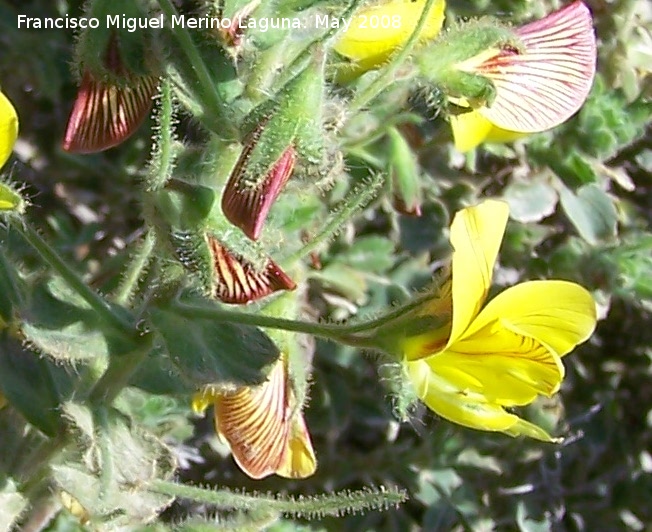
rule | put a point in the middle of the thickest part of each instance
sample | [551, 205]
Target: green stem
[199, 67]
[356, 201]
[94, 300]
[138, 264]
[334, 503]
[347, 334]
[107, 473]
[161, 166]
[386, 77]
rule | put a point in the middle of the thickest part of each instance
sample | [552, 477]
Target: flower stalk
[211, 98]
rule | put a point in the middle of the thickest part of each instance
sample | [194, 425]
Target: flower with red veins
[108, 109]
[236, 280]
[247, 205]
[265, 430]
[538, 85]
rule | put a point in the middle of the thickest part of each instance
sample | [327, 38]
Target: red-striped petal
[105, 114]
[237, 280]
[254, 421]
[247, 207]
[547, 82]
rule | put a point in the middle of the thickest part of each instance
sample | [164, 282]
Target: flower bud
[404, 174]
[11, 200]
[247, 208]
[280, 131]
[116, 89]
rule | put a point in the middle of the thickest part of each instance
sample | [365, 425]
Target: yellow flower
[502, 354]
[263, 426]
[538, 86]
[377, 31]
[8, 128]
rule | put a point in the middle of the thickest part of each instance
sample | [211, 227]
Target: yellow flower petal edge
[558, 314]
[8, 128]
[475, 234]
[299, 459]
[376, 31]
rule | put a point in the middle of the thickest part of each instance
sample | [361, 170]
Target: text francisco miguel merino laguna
[157, 22]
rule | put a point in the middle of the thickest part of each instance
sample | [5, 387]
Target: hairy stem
[353, 334]
[94, 300]
[136, 267]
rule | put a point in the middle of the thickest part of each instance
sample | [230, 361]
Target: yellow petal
[299, 460]
[469, 130]
[525, 428]
[475, 234]
[468, 409]
[558, 314]
[377, 31]
[8, 128]
[500, 135]
[505, 368]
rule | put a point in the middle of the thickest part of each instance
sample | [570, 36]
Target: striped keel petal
[238, 281]
[253, 420]
[246, 206]
[546, 82]
[105, 114]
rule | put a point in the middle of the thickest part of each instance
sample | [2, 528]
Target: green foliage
[197, 348]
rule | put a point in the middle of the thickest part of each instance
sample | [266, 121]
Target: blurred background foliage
[581, 206]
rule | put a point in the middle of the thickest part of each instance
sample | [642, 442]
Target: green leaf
[530, 201]
[158, 375]
[207, 352]
[607, 122]
[369, 254]
[344, 280]
[61, 325]
[34, 385]
[591, 211]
